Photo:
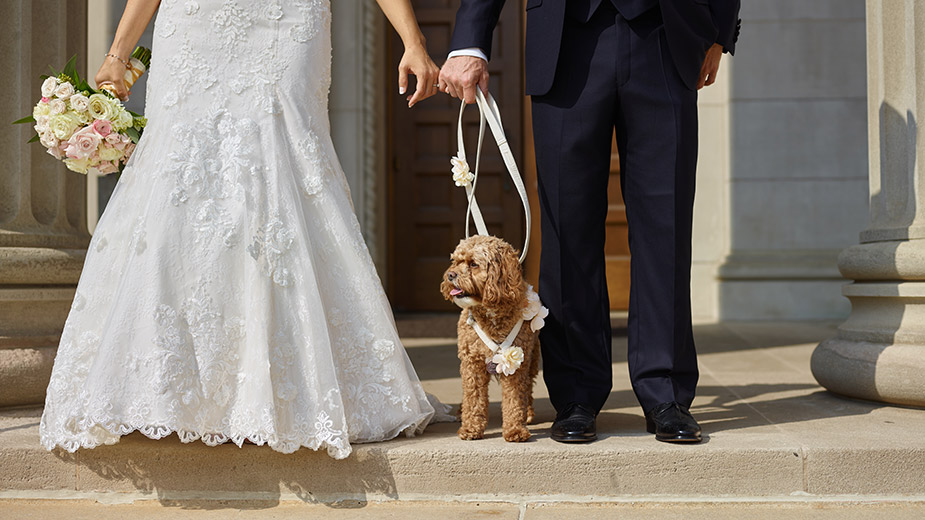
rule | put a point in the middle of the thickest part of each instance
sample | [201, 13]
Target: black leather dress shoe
[671, 422]
[575, 423]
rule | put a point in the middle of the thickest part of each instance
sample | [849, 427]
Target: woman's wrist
[416, 43]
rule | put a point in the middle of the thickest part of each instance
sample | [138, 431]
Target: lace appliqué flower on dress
[270, 247]
[196, 336]
[311, 150]
[315, 17]
[212, 159]
[230, 23]
[188, 71]
[262, 73]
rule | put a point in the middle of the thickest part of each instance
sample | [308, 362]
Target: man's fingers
[710, 79]
[469, 94]
[713, 72]
[483, 82]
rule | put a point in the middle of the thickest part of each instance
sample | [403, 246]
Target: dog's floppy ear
[513, 274]
[505, 277]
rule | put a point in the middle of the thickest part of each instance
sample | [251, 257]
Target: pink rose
[102, 127]
[56, 152]
[113, 139]
[45, 99]
[83, 143]
[129, 148]
[107, 167]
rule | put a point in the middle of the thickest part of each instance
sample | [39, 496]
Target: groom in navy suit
[592, 67]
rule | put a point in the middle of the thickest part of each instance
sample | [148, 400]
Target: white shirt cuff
[471, 51]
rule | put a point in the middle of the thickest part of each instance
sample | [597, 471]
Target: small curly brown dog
[485, 279]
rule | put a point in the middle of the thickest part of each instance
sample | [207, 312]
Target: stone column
[43, 232]
[879, 353]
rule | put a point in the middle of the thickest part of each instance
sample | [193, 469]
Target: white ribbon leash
[490, 113]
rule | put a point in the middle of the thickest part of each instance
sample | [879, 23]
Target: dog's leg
[516, 391]
[474, 407]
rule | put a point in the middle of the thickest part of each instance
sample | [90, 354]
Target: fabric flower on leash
[534, 312]
[508, 360]
[461, 173]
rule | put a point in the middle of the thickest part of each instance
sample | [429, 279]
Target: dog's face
[483, 271]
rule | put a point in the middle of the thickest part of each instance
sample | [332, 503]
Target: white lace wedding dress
[227, 294]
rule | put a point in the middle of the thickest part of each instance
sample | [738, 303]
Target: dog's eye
[474, 265]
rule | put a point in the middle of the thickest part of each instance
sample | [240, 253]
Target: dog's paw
[530, 415]
[517, 434]
[470, 434]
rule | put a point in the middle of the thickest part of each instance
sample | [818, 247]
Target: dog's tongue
[456, 292]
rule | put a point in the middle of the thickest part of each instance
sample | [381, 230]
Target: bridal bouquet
[89, 129]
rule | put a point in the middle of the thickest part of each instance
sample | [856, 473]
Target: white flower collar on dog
[507, 358]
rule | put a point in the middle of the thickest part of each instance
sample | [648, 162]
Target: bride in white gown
[227, 294]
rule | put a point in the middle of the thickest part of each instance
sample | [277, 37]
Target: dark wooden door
[426, 209]
[616, 249]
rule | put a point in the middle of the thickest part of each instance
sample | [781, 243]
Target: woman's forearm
[401, 16]
[135, 19]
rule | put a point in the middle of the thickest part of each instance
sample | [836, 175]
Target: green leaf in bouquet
[133, 134]
[35, 139]
[27, 119]
[70, 69]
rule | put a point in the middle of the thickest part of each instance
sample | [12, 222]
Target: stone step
[414, 510]
[771, 434]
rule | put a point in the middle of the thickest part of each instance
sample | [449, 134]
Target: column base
[879, 353]
[872, 371]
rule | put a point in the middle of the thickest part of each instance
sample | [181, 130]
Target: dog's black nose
[451, 276]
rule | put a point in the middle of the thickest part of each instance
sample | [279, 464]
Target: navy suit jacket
[691, 27]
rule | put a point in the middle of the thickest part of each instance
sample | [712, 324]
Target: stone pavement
[89, 510]
[777, 445]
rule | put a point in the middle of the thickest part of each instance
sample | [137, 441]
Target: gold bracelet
[127, 64]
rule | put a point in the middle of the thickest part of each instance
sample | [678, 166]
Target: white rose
[78, 165]
[122, 120]
[508, 360]
[64, 90]
[80, 102]
[539, 321]
[41, 109]
[100, 107]
[49, 86]
[49, 140]
[107, 153]
[461, 174]
[532, 308]
[63, 126]
[42, 124]
[56, 152]
[57, 106]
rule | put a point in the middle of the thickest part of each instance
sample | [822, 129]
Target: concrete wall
[790, 119]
